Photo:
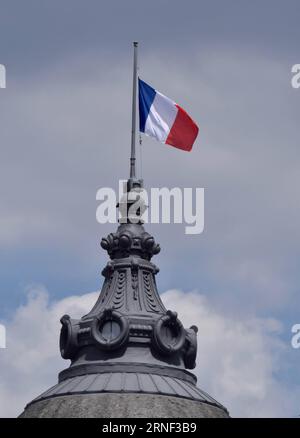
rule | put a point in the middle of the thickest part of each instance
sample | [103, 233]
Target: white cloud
[238, 358]
[68, 131]
[31, 361]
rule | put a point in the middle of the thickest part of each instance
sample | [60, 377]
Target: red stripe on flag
[183, 132]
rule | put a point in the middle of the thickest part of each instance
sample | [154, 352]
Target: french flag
[163, 119]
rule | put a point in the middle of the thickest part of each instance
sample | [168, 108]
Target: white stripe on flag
[161, 117]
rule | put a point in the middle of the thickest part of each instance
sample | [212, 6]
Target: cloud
[66, 133]
[31, 361]
[238, 359]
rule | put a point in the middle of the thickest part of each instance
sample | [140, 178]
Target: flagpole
[133, 126]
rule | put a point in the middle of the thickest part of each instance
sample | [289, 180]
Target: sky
[65, 132]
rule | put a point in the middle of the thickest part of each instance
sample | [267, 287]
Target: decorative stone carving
[110, 330]
[68, 337]
[129, 318]
[191, 347]
[168, 334]
[126, 241]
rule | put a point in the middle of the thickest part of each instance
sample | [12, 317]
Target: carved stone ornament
[129, 320]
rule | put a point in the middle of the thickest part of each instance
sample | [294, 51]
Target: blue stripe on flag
[146, 97]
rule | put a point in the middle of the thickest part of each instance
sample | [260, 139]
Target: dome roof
[129, 344]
